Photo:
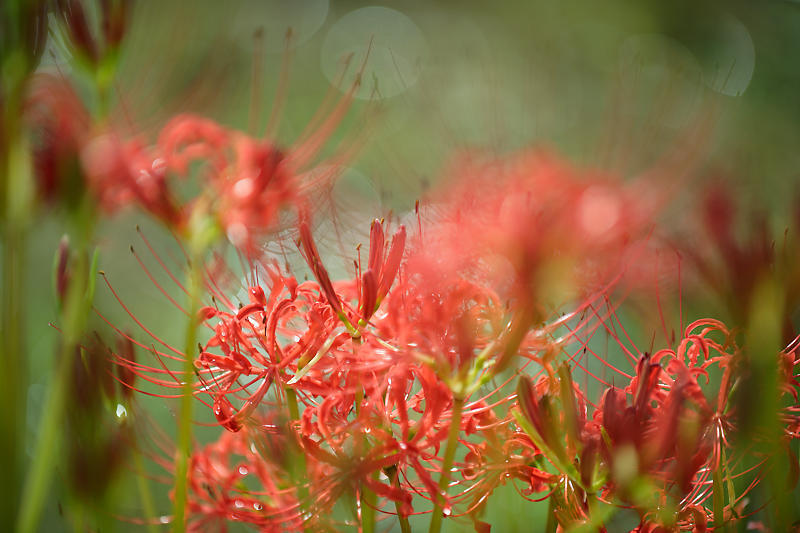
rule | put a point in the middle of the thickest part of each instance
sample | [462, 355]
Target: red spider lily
[244, 180]
[71, 156]
[375, 282]
[248, 349]
[230, 480]
[530, 222]
[504, 454]
[667, 425]
[378, 373]
[294, 337]
[735, 264]
[248, 180]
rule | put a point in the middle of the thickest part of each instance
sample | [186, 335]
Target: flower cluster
[371, 392]
[491, 341]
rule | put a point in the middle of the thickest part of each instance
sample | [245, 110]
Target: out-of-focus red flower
[94, 46]
[531, 221]
[60, 126]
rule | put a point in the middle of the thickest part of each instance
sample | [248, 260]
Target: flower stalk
[77, 305]
[183, 453]
[447, 465]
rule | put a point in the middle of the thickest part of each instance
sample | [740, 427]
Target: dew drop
[121, 411]
[159, 165]
[447, 510]
[257, 506]
[164, 519]
[243, 470]
[244, 188]
[239, 504]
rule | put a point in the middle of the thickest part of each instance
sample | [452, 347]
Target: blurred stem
[447, 464]
[759, 401]
[12, 398]
[144, 492]
[552, 523]
[16, 199]
[37, 483]
[74, 315]
[718, 499]
[195, 279]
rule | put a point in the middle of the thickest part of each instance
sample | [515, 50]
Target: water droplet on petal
[447, 510]
[257, 506]
[159, 165]
[243, 470]
[244, 188]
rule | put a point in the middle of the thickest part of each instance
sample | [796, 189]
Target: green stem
[367, 509]
[367, 498]
[187, 401]
[447, 465]
[75, 313]
[12, 399]
[297, 459]
[718, 499]
[15, 209]
[291, 399]
[552, 523]
[405, 526]
[37, 483]
[144, 492]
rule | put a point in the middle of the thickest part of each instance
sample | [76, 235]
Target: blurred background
[617, 85]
